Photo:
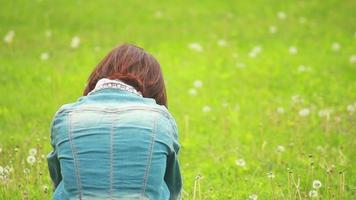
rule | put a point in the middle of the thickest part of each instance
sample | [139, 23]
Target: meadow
[263, 92]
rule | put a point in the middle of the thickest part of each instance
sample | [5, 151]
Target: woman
[117, 141]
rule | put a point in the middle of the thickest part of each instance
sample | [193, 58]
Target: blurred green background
[263, 92]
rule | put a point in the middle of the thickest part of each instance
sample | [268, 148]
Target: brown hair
[134, 66]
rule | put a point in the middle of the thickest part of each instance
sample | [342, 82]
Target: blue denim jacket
[114, 144]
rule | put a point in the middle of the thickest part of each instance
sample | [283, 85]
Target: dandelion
[272, 29]
[32, 151]
[313, 194]
[281, 15]
[280, 149]
[293, 50]
[350, 108]
[335, 46]
[75, 42]
[31, 160]
[240, 162]
[316, 184]
[304, 112]
[240, 65]
[195, 47]
[352, 59]
[45, 188]
[48, 33]
[253, 197]
[255, 51]
[206, 109]
[26, 171]
[192, 91]
[297, 99]
[9, 37]
[302, 20]
[221, 42]
[44, 56]
[280, 110]
[198, 83]
[324, 112]
[270, 175]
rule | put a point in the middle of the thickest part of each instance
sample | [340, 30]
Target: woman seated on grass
[118, 141]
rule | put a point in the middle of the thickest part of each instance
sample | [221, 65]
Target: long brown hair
[134, 66]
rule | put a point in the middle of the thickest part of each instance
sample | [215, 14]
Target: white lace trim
[116, 84]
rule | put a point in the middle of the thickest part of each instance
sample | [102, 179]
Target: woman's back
[114, 144]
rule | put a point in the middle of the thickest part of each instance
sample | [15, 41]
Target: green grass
[243, 122]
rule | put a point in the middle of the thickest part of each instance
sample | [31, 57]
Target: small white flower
[240, 162]
[280, 110]
[281, 15]
[253, 197]
[353, 59]
[335, 46]
[192, 91]
[304, 112]
[280, 149]
[293, 50]
[75, 42]
[44, 56]
[9, 37]
[206, 109]
[31, 160]
[221, 42]
[48, 33]
[32, 151]
[272, 29]
[316, 184]
[270, 175]
[240, 65]
[350, 108]
[195, 47]
[313, 193]
[198, 83]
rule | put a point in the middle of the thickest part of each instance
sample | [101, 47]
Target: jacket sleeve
[52, 158]
[172, 176]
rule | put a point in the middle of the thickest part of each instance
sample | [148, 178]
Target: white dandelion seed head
[45, 188]
[240, 162]
[255, 51]
[313, 193]
[293, 50]
[240, 65]
[221, 42]
[9, 37]
[272, 29]
[335, 46]
[280, 149]
[303, 68]
[352, 59]
[270, 175]
[325, 112]
[75, 42]
[316, 184]
[350, 108]
[26, 171]
[281, 15]
[31, 160]
[198, 83]
[253, 197]
[252, 54]
[192, 91]
[32, 151]
[280, 110]
[44, 56]
[48, 33]
[206, 109]
[304, 112]
[195, 47]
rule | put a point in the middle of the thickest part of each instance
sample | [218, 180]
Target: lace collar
[116, 84]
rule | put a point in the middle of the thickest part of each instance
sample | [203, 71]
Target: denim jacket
[114, 144]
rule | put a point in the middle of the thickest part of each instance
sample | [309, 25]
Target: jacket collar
[115, 84]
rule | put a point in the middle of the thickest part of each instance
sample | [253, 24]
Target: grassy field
[264, 93]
